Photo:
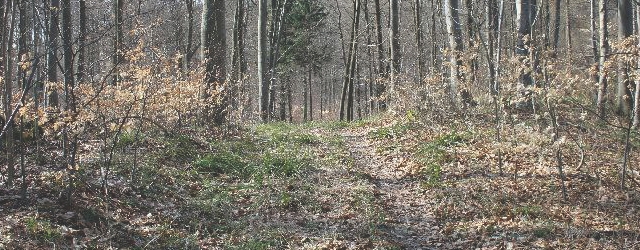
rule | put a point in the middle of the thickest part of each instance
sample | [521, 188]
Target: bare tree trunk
[568, 29]
[283, 101]
[419, 37]
[382, 68]
[8, 17]
[69, 144]
[82, 38]
[454, 31]
[372, 77]
[346, 105]
[290, 101]
[213, 40]
[592, 28]
[525, 11]
[305, 99]
[556, 25]
[636, 99]
[394, 36]
[22, 78]
[624, 102]
[51, 99]
[188, 50]
[274, 52]
[118, 55]
[491, 26]
[238, 64]
[472, 63]
[310, 93]
[604, 50]
[263, 74]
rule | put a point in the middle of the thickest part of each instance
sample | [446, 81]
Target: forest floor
[389, 182]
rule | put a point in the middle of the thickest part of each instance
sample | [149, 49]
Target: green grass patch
[41, 229]
[528, 211]
[281, 133]
[390, 132]
[222, 163]
[179, 148]
[274, 149]
[543, 231]
[432, 155]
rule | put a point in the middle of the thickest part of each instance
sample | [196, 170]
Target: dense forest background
[255, 124]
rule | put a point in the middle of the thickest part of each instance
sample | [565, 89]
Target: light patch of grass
[41, 229]
[389, 132]
[528, 211]
[432, 155]
[543, 231]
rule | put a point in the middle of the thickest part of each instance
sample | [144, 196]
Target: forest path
[408, 220]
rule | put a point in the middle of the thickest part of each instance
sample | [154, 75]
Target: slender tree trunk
[491, 26]
[372, 77]
[237, 62]
[276, 32]
[188, 49]
[556, 24]
[419, 38]
[118, 39]
[382, 68]
[213, 40]
[82, 38]
[289, 101]
[636, 99]
[454, 31]
[525, 12]
[594, 33]
[346, 105]
[472, 63]
[604, 51]
[263, 74]
[283, 101]
[323, 93]
[435, 62]
[310, 92]
[568, 30]
[624, 102]
[8, 18]
[305, 106]
[51, 99]
[394, 36]
[23, 56]
[69, 144]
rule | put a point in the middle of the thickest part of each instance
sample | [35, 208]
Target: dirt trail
[408, 221]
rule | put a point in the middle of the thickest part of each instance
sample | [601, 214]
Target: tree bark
[346, 105]
[118, 39]
[382, 68]
[82, 38]
[604, 50]
[636, 99]
[238, 64]
[394, 36]
[594, 33]
[188, 50]
[624, 102]
[69, 144]
[213, 40]
[51, 99]
[454, 34]
[556, 24]
[263, 76]
[419, 38]
[525, 13]
[7, 31]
